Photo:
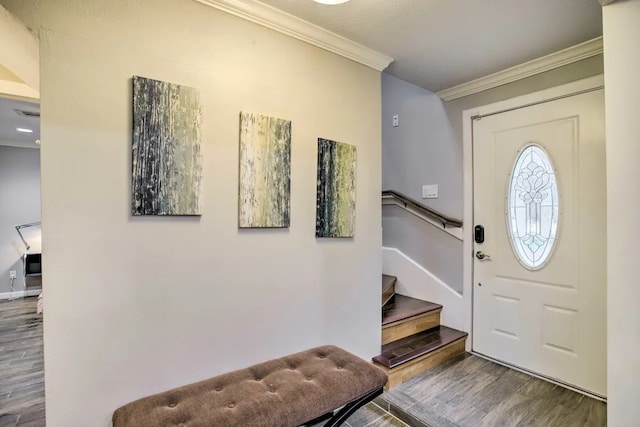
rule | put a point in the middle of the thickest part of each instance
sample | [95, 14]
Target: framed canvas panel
[265, 172]
[336, 189]
[167, 165]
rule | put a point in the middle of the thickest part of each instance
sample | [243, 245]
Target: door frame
[546, 95]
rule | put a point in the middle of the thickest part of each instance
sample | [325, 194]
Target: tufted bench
[289, 391]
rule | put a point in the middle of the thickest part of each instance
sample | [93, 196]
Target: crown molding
[549, 62]
[606, 2]
[285, 23]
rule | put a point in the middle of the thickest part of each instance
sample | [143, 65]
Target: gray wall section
[435, 250]
[20, 201]
[427, 149]
[422, 150]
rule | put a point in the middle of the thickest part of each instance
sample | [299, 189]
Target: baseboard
[416, 281]
[20, 294]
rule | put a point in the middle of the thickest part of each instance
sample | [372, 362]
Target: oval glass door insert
[532, 207]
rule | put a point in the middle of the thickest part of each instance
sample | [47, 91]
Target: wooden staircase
[413, 340]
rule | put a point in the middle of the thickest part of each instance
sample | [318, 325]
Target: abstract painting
[336, 196]
[166, 148]
[265, 171]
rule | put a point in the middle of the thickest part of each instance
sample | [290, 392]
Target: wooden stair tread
[398, 352]
[401, 307]
[388, 288]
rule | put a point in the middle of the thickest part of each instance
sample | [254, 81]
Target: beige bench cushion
[283, 392]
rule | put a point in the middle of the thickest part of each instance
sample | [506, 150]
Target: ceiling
[10, 120]
[438, 44]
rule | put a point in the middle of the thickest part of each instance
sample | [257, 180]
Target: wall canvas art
[265, 172]
[336, 196]
[166, 148]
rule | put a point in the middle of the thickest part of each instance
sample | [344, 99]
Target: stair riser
[417, 366]
[407, 327]
[387, 294]
[388, 288]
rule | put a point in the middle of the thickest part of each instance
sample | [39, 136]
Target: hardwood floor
[370, 415]
[471, 391]
[21, 364]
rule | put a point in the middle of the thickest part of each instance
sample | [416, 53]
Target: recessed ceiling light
[331, 1]
[24, 130]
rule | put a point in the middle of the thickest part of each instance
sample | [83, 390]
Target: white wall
[139, 305]
[622, 103]
[430, 246]
[20, 201]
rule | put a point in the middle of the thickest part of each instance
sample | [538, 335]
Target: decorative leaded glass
[532, 207]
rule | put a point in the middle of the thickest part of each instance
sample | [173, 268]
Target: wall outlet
[12, 274]
[396, 121]
[430, 191]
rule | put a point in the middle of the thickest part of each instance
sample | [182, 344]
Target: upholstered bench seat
[289, 391]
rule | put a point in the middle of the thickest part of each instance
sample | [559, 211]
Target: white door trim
[579, 86]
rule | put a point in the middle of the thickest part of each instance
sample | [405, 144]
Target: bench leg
[348, 410]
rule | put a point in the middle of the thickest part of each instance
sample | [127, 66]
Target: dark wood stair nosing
[435, 338]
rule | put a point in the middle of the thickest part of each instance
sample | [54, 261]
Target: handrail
[424, 210]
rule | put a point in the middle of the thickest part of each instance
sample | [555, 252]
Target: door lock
[482, 255]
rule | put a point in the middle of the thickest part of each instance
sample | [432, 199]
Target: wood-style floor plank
[21, 364]
[471, 391]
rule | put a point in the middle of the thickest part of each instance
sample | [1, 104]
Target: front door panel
[548, 318]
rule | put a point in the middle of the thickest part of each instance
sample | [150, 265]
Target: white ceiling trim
[285, 23]
[549, 62]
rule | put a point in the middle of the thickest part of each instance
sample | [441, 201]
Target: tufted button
[218, 388]
[172, 404]
[308, 378]
[258, 379]
[181, 425]
[231, 405]
[339, 366]
[321, 356]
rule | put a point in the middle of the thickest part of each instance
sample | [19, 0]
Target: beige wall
[139, 305]
[622, 103]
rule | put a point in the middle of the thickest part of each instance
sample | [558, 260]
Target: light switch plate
[396, 121]
[430, 191]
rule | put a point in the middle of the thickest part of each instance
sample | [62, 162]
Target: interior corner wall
[622, 103]
[137, 305]
[20, 196]
[421, 150]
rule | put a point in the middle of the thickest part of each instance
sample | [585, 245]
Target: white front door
[539, 295]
